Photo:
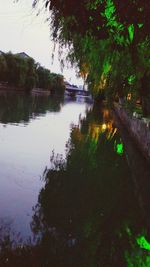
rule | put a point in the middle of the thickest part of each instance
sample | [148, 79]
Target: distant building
[70, 86]
[23, 55]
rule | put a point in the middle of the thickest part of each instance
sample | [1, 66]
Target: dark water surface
[72, 180]
[30, 128]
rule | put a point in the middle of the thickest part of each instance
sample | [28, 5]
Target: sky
[22, 30]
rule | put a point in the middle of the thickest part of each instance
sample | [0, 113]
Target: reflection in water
[16, 108]
[87, 208]
[87, 212]
[25, 147]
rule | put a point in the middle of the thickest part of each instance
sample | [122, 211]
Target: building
[70, 86]
[23, 55]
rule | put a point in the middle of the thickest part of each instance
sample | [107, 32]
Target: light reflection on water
[30, 129]
[91, 206]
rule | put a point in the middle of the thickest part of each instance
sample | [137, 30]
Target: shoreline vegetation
[109, 42]
[20, 72]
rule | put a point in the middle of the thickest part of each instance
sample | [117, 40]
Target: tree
[98, 34]
[44, 80]
[20, 72]
[57, 83]
[31, 75]
[3, 68]
[25, 73]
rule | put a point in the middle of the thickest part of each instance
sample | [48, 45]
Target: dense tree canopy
[100, 18]
[108, 39]
[25, 73]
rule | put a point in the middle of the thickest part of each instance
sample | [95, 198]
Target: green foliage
[131, 32]
[50, 81]
[19, 72]
[108, 40]
[143, 243]
[57, 83]
[25, 74]
[139, 247]
[44, 80]
[3, 68]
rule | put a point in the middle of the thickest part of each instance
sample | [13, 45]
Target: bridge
[74, 90]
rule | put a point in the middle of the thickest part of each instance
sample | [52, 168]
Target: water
[71, 177]
[30, 128]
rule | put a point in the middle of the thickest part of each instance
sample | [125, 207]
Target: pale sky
[21, 30]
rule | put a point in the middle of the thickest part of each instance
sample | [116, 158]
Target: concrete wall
[138, 127]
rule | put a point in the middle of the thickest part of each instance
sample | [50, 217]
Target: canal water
[74, 189]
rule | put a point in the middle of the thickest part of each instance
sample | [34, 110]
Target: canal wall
[138, 128]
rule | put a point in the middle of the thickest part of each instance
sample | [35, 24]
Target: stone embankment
[138, 128]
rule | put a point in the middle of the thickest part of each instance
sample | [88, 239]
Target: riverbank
[138, 128]
[4, 86]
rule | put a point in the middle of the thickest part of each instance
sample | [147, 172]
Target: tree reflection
[16, 108]
[87, 199]
[87, 213]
